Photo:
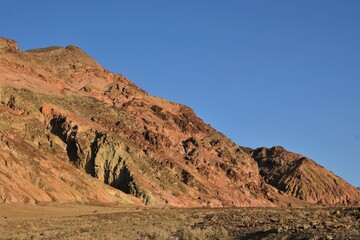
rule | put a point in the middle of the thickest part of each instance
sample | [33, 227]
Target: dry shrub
[188, 233]
[211, 232]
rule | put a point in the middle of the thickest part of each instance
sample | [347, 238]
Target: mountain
[303, 178]
[72, 131]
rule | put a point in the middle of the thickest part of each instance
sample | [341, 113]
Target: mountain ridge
[150, 149]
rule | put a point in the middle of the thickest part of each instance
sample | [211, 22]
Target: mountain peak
[70, 56]
[5, 42]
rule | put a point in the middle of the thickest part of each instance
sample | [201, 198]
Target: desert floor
[129, 222]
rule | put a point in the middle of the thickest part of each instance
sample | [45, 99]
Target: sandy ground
[129, 222]
[22, 212]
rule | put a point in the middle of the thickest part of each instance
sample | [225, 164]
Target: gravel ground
[72, 222]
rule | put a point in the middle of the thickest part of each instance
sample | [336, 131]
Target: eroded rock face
[67, 109]
[302, 178]
[34, 166]
[110, 162]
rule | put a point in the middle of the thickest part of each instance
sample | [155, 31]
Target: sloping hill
[303, 178]
[60, 105]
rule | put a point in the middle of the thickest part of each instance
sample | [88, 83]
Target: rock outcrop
[303, 178]
[8, 44]
[62, 114]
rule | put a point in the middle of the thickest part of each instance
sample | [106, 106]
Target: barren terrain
[99, 222]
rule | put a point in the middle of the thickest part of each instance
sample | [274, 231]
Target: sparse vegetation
[189, 224]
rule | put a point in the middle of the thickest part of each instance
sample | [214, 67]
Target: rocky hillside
[303, 178]
[69, 128]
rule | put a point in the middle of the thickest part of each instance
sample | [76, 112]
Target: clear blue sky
[262, 72]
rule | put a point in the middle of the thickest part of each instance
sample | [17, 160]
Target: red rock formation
[303, 178]
[8, 43]
[60, 105]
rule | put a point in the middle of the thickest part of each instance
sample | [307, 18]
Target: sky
[264, 73]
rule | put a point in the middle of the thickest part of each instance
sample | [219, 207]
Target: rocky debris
[198, 223]
[303, 223]
[158, 112]
[187, 121]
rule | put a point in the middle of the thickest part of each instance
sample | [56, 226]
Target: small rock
[337, 213]
[273, 220]
[281, 229]
[313, 224]
[328, 224]
[306, 226]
